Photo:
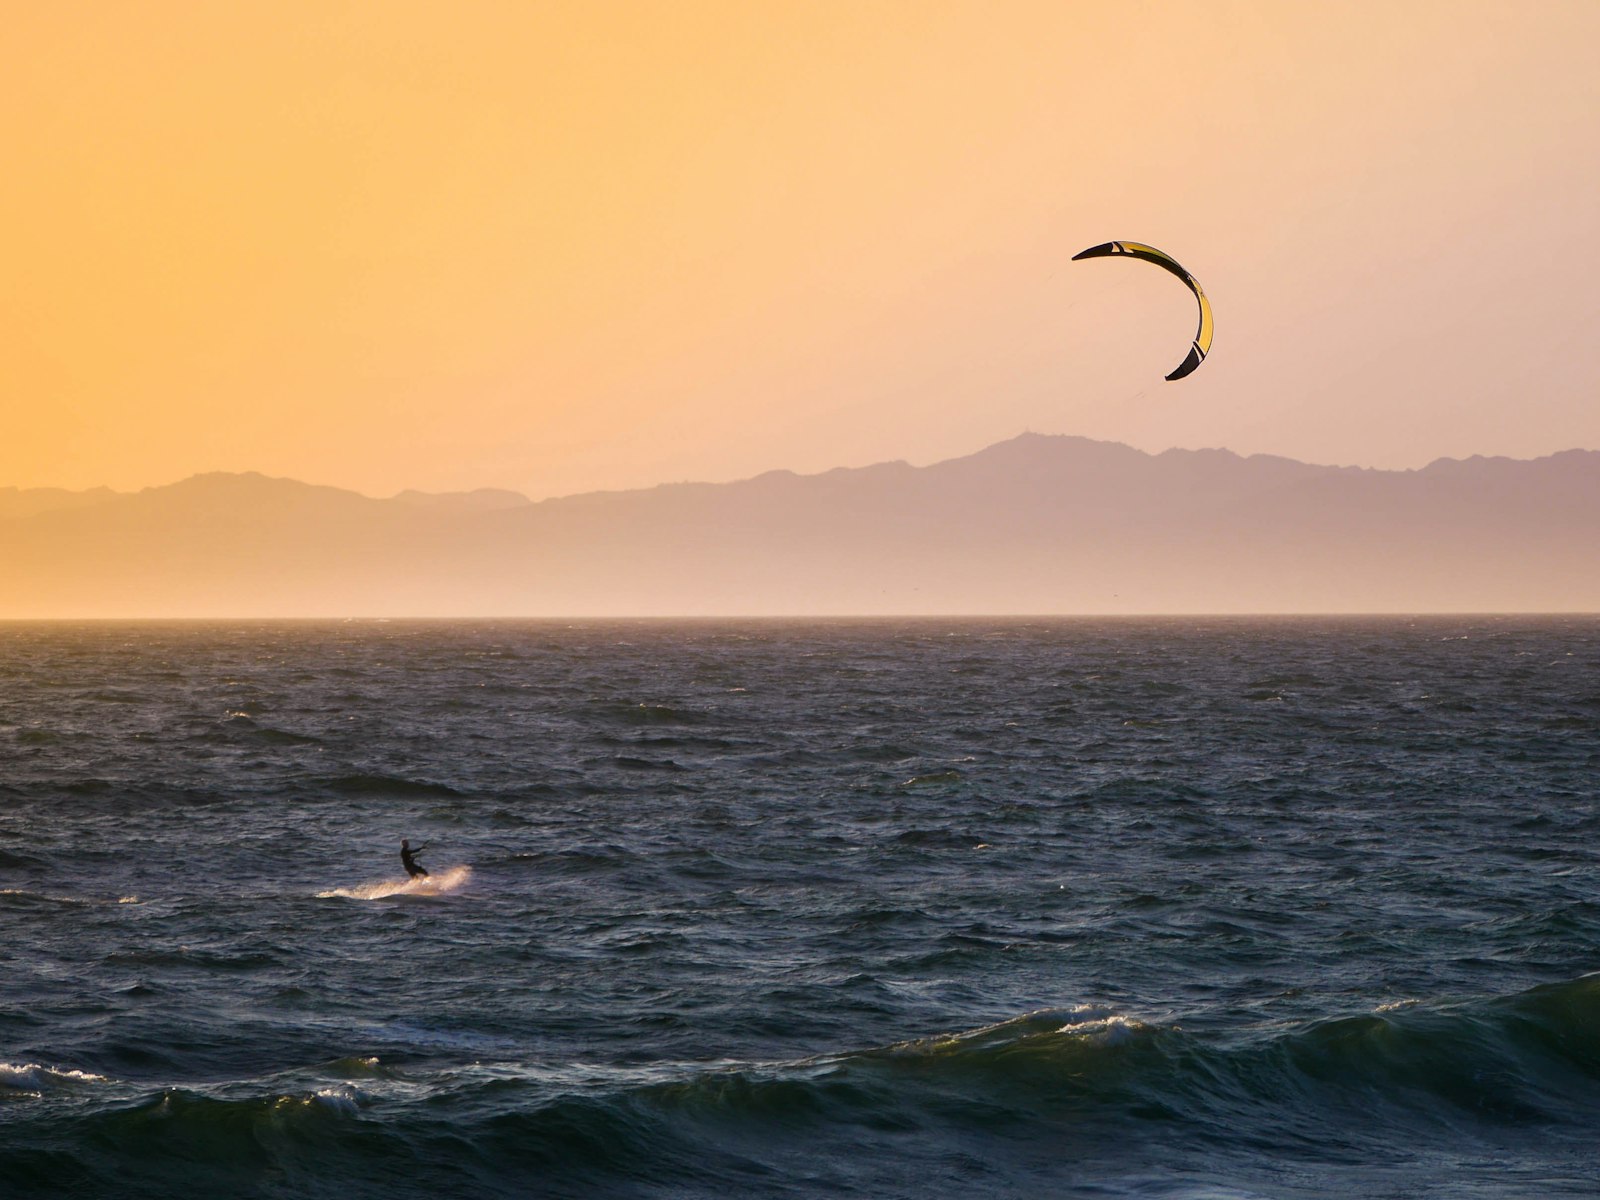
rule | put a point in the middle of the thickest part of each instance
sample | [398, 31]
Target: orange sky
[557, 247]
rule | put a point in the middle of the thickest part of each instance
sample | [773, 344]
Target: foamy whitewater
[924, 909]
[439, 883]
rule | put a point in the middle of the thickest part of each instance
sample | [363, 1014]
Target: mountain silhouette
[1035, 525]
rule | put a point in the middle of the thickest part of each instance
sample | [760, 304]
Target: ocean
[1190, 909]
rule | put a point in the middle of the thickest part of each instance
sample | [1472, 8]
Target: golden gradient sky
[559, 247]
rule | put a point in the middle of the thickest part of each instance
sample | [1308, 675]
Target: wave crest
[33, 1079]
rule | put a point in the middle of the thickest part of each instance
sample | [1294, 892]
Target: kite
[1202, 338]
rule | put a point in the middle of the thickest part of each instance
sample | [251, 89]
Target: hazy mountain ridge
[28, 502]
[24, 502]
[1036, 524]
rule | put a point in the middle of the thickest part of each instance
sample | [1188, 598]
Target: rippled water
[1165, 908]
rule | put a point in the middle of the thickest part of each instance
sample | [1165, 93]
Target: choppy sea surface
[1195, 909]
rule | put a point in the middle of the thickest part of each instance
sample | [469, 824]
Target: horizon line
[1265, 614]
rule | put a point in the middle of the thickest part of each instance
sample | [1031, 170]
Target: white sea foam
[35, 1079]
[1395, 1005]
[443, 882]
[66, 899]
[344, 1100]
[1109, 1031]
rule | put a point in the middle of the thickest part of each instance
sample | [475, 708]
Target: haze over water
[940, 908]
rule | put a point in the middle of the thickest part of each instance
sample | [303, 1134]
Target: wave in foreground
[1077, 1097]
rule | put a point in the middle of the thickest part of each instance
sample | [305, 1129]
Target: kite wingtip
[1189, 364]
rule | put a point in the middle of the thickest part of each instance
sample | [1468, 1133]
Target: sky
[566, 247]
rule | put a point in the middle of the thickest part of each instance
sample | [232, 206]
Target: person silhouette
[413, 868]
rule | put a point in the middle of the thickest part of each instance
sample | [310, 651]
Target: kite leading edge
[1202, 338]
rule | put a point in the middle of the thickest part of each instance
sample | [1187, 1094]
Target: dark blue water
[1164, 908]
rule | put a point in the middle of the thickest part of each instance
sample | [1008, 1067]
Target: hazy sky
[558, 247]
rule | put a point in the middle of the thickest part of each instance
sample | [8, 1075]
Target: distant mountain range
[1034, 525]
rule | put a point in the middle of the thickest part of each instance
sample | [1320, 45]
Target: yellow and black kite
[1202, 337]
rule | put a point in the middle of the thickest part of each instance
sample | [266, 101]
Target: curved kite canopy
[1202, 337]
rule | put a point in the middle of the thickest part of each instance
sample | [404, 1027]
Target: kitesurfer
[413, 868]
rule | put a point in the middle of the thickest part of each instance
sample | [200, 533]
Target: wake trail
[443, 882]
